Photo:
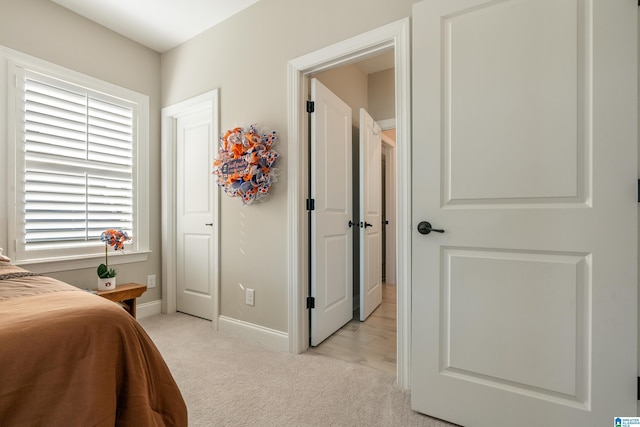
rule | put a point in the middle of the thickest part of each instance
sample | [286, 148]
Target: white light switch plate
[250, 297]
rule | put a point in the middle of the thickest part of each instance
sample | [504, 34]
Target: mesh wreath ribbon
[245, 163]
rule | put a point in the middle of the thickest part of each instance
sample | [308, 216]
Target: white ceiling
[157, 24]
[164, 24]
[380, 62]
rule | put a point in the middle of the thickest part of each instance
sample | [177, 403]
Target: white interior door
[389, 150]
[195, 213]
[371, 215]
[331, 236]
[525, 153]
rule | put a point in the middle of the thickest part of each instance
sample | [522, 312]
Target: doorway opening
[369, 337]
[392, 36]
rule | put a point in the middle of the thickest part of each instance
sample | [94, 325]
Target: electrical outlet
[151, 281]
[249, 299]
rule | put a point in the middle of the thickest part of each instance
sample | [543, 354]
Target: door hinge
[311, 106]
[311, 302]
[311, 204]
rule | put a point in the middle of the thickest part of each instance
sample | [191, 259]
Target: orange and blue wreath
[245, 165]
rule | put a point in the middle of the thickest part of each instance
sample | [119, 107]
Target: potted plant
[106, 275]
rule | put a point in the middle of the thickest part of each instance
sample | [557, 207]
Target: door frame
[394, 35]
[170, 114]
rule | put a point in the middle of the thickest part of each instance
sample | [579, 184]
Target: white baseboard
[147, 309]
[269, 338]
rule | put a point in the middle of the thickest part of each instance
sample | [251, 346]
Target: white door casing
[524, 127]
[195, 190]
[169, 165]
[331, 236]
[370, 151]
[395, 35]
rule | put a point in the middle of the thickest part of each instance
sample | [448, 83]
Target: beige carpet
[227, 382]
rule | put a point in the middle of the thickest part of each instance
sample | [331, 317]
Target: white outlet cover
[151, 281]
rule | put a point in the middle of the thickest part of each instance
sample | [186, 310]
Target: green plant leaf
[106, 273]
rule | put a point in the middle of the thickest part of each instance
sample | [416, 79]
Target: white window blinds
[78, 163]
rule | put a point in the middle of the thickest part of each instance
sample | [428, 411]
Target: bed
[69, 357]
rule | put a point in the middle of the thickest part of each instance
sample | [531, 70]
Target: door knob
[366, 224]
[425, 228]
[351, 223]
[210, 224]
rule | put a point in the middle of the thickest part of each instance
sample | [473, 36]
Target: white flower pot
[106, 284]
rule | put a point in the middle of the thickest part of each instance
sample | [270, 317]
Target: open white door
[525, 153]
[195, 215]
[331, 235]
[371, 215]
[389, 220]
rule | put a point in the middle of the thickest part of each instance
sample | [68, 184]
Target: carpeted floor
[227, 382]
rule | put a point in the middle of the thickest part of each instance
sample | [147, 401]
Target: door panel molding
[524, 279]
[473, 110]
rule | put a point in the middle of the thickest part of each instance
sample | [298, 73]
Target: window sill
[77, 263]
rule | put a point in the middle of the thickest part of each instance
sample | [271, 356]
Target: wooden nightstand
[125, 294]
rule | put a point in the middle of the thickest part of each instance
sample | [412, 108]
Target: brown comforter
[71, 358]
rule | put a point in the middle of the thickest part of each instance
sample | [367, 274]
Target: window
[80, 151]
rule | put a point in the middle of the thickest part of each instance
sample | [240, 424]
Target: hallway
[372, 342]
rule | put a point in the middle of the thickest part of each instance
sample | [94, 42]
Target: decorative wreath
[245, 163]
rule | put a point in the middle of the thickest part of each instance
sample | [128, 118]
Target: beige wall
[390, 133]
[45, 30]
[382, 88]
[246, 58]
[349, 83]
[249, 67]
[374, 92]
